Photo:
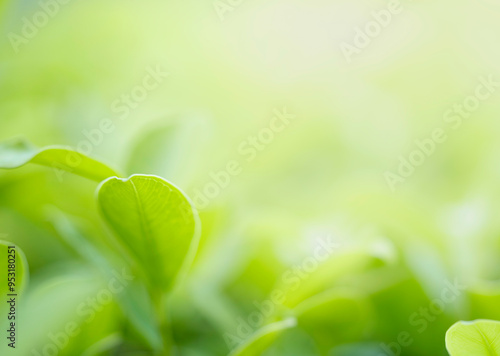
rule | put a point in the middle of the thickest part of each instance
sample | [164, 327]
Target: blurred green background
[232, 67]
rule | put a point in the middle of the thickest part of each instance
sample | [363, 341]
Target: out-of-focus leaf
[13, 269]
[18, 152]
[358, 349]
[328, 274]
[64, 304]
[478, 338]
[137, 306]
[104, 345]
[402, 306]
[154, 151]
[483, 300]
[293, 342]
[134, 300]
[156, 223]
[263, 338]
[333, 318]
[171, 150]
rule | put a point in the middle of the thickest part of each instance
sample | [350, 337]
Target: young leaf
[263, 338]
[18, 152]
[478, 338]
[156, 223]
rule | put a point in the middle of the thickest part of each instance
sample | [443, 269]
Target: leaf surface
[478, 338]
[155, 222]
[17, 153]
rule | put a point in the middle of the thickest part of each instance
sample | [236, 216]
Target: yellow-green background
[322, 176]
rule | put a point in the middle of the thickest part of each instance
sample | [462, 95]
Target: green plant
[157, 230]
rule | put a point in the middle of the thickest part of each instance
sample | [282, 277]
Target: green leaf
[59, 296]
[155, 222]
[170, 148]
[104, 345]
[134, 301]
[153, 152]
[342, 266]
[263, 338]
[333, 318]
[9, 252]
[483, 298]
[18, 152]
[139, 309]
[478, 338]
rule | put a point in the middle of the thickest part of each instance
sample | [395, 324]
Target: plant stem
[164, 324]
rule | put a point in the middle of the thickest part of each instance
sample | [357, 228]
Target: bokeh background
[232, 66]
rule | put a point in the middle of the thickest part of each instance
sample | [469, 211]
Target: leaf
[19, 152]
[333, 318]
[484, 298]
[478, 338]
[398, 301]
[156, 223]
[156, 151]
[104, 345]
[330, 273]
[134, 301]
[358, 349]
[58, 297]
[136, 304]
[171, 148]
[9, 253]
[263, 338]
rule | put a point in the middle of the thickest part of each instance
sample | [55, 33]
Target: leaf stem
[163, 322]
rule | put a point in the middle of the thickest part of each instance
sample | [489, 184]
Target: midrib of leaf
[486, 342]
[147, 234]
